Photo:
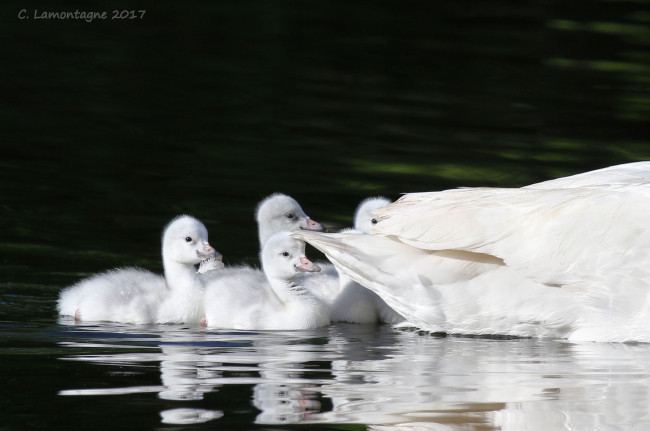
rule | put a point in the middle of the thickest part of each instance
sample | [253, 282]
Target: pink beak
[209, 252]
[314, 225]
[307, 265]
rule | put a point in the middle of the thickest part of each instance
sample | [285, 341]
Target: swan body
[129, 295]
[543, 260]
[133, 295]
[276, 302]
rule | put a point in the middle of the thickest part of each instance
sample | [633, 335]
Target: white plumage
[281, 213]
[611, 176]
[348, 301]
[565, 258]
[133, 295]
[275, 213]
[246, 300]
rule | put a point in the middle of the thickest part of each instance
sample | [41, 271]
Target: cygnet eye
[374, 221]
[290, 216]
[285, 253]
[188, 238]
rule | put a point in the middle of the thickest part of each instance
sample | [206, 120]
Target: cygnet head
[280, 213]
[283, 257]
[363, 219]
[185, 241]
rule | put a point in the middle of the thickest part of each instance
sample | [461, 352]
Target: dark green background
[112, 127]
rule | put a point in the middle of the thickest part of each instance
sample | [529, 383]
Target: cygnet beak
[307, 265]
[313, 225]
[208, 252]
[210, 261]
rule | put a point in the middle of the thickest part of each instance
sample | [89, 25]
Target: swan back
[280, 213]
[611, 176]
[128, 295]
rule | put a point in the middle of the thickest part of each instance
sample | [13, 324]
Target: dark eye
[374, 221]
[285, 253]
[290, 216]
[188, 238]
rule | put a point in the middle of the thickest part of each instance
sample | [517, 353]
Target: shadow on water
[110, 128]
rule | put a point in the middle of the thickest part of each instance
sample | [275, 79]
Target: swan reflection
[375, 375]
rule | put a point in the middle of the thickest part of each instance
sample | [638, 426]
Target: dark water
[110, 128]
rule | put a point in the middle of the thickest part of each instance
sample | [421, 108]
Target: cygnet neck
[184, 302]
[287, 289]
[179, 276]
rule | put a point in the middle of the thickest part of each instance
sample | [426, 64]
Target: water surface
[369, 375]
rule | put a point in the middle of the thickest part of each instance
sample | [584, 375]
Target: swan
[276, 302]
[568, 260]
[134, 295]
[275, 213]
[363, 219]
[348, 301]
[279, 213]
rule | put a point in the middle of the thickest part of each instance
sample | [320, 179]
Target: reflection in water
[385, 378]
[188, 416]
[183, 372]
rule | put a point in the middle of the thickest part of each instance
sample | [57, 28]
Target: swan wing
[446, 293]
[370, 260]
[555, 236]
[400, 274]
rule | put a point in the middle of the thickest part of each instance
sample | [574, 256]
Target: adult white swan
[133, 295]
[535, 261]
[277, 302]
